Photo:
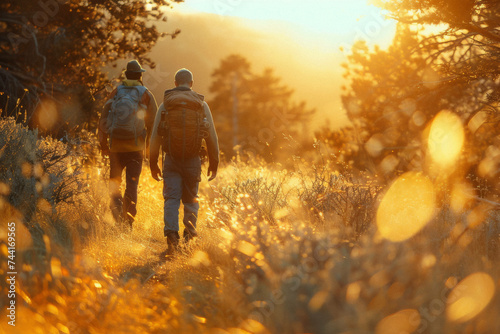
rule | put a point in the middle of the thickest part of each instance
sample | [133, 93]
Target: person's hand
[146, 153]
[155, 172]
[211, 173]
[105, 151]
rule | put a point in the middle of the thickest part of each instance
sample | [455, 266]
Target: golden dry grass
[293, 250]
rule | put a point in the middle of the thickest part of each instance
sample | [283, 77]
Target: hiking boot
[172, 242]
[189, 234]
[118, 218]
[127, 224]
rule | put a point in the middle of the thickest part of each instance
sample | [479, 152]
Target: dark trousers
[124, 208]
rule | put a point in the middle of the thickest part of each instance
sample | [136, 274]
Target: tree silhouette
[59, 49]
[389, 100]
[466, 46]
[254, 112]
[230, 83]
[393, 94]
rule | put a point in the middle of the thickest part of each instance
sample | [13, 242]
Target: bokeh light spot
[389, 163]
[408, 106]
[47, 114]
[375, 145]
[404, 321]
[141, 114]
[199, 258]
[488, 167]
[55, 265]
[418, 118]
[470, 297]
[352, 292]
[24, 240]
[461, 195]
[446, 138]
[247, 248]
[407, 207]
[477, 121]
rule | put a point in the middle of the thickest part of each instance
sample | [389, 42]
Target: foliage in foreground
[55, 52]
[278, 252]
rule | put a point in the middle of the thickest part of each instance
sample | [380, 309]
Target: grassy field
[301, 248]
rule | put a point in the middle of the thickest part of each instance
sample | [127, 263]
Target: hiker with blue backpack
[124, 130]
[182, 122]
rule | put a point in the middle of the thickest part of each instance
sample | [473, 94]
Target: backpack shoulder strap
[141, 90]
[120, 88]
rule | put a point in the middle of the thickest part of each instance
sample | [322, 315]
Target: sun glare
[320, 168]
[323, 16]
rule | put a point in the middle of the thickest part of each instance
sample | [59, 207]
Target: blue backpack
[126, 115]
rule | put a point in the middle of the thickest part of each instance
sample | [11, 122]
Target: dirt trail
[138, 255]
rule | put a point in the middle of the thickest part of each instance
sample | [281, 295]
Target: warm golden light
[47, 114]
[247, 248]
[470, 297]
[336, 16]
[11, 221]
[488, 167]
[353, 291]
[55, 266]
[404, 321]
[446, 138]
[407, 207]
[461, 195]
[199, 258]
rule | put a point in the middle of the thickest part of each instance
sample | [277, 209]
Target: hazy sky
[300, 40]
[348, 18]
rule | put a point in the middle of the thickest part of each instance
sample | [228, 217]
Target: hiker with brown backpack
[124, 130]
[182, 122]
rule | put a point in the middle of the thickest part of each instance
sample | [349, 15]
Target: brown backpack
[183, 125]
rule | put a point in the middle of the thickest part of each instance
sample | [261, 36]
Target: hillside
[312, 70]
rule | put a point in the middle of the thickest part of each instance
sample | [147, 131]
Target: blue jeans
[180, 183]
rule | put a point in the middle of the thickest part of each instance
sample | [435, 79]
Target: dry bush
[43, 183]
[263, 263]
[264, 190]
[295, 280]
[332, 199]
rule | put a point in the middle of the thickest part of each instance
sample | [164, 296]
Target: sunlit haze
[301, 41]
[320, 16]
[250, 166]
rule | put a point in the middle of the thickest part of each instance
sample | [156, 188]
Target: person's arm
[154, 146]
[102, 134]
[149, 118]
[212, 145]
